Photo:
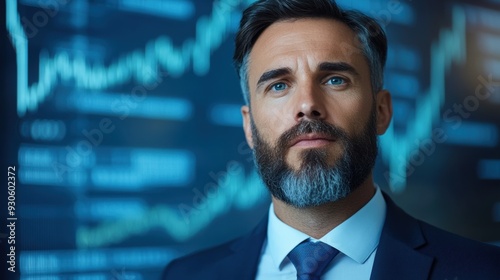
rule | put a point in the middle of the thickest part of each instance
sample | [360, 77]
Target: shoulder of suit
[196, 262]
[449, 247]
[210, 261]
[446, 238]
[451, 254]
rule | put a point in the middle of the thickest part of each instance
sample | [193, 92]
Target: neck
[319, 220]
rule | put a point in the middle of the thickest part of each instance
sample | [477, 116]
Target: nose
[309, 104]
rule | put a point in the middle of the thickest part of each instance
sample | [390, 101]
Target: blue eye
[279, 87]
[336, 81]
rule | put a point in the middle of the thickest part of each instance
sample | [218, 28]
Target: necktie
[311, 258]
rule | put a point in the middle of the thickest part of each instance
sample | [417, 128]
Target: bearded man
[312, 79]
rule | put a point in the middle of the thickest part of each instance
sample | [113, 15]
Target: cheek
[271, 121]
[351, 114]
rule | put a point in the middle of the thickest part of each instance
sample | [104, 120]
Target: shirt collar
[357, 237]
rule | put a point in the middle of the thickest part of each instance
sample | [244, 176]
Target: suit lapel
[397, 255]
[244, 260]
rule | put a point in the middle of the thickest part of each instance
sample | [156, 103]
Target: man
[312, 75]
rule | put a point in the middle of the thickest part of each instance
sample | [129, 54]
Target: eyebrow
[273, 74]
[338, 67]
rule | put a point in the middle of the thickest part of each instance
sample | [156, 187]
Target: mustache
[307, 127]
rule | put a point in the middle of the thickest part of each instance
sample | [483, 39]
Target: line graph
[142, 64]
[236, 190]
[396, 148]
[160, 54]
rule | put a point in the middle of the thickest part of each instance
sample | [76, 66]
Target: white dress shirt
[356, 238]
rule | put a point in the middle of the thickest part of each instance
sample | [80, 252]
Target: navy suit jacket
[408, 249]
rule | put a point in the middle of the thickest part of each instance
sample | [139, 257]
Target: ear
[384, 110]
[247, 127]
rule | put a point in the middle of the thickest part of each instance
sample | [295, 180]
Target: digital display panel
[122, 128]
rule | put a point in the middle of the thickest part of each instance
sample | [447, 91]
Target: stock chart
[122, 120]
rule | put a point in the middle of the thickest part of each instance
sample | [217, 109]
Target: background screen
[122, 120]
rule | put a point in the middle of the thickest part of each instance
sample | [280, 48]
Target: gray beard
[316, 183]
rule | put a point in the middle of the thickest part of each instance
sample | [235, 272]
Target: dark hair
[260, 15]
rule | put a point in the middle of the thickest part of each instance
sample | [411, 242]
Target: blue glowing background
[122, 118]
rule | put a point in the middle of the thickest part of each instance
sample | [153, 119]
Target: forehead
[304, 43]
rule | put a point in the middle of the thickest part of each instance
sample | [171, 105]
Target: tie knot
[311, 258]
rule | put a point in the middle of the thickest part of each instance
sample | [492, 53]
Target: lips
[312, 139]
